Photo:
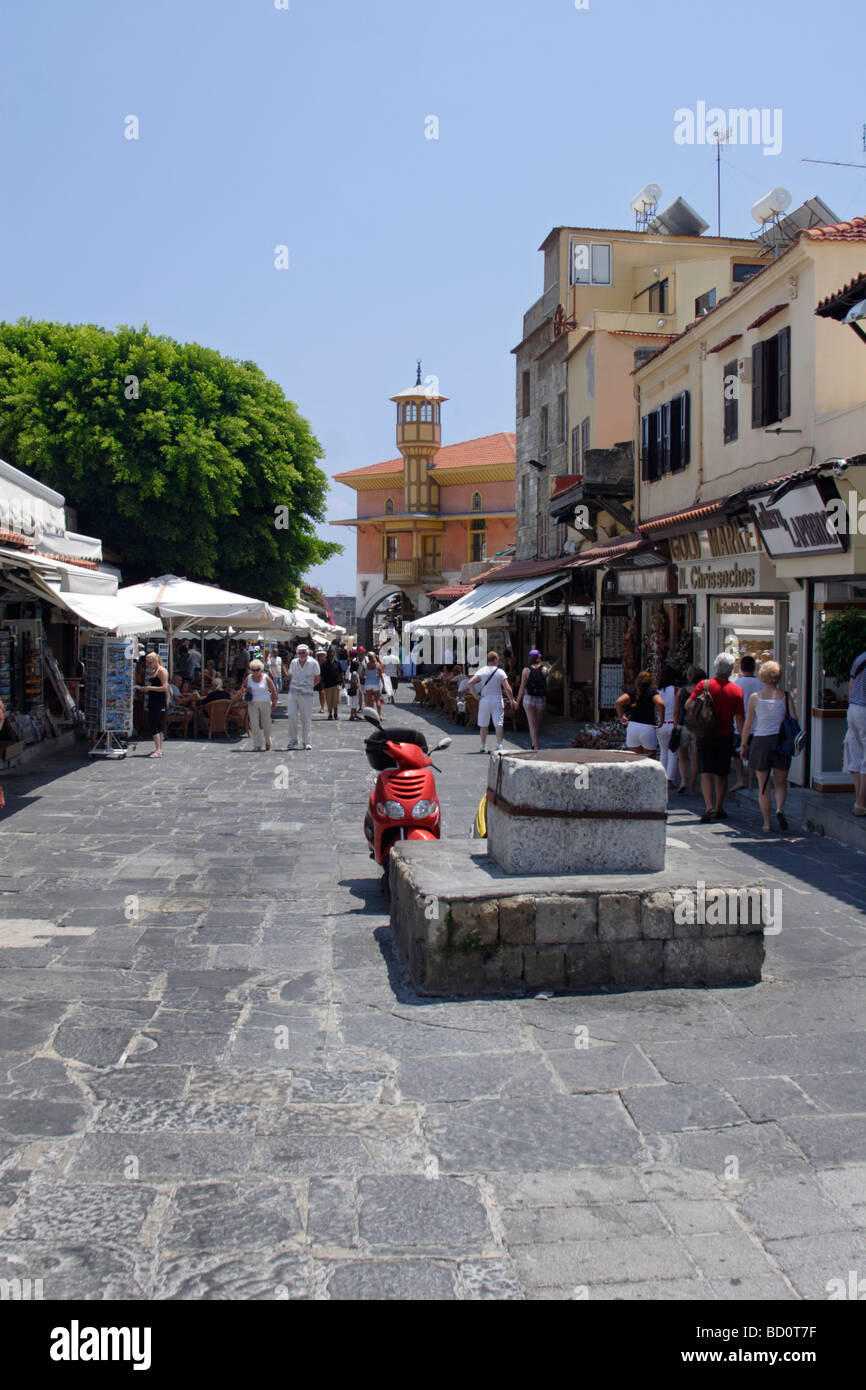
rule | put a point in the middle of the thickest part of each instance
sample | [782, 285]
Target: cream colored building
[737, 423]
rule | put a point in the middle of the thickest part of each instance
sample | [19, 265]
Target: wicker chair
[471, 709]
[179, 717]
[214, 717]
[238, 718]
[449, 705]
[420, 693]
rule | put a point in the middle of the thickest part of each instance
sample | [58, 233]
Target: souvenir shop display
[108, 693]
[7, 653]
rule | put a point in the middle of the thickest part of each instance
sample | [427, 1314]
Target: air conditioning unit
[744, 368]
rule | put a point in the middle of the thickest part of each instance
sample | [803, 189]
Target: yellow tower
[419, 437]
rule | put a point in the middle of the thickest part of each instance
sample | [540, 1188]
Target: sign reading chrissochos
[723, 559]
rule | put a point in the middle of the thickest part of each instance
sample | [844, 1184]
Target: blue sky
[306, 127]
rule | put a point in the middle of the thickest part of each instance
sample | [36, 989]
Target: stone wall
[501, 943]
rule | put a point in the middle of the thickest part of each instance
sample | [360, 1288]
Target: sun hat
[303, 648]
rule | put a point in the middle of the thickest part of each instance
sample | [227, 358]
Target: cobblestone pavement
[214, 1082]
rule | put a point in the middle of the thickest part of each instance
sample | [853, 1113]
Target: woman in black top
[156, 689]
[646, 711]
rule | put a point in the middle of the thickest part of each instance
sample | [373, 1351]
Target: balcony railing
[412, 571]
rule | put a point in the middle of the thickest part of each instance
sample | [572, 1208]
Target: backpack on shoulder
[701, 716]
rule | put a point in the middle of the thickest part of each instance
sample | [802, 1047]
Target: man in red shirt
[715, 751]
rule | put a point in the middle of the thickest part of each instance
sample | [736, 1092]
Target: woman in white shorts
[491, 684]
[641, 710]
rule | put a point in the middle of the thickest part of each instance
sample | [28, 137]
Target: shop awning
[487, 602]
[106, 613]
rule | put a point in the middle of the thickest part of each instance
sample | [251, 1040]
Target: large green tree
[182, 461]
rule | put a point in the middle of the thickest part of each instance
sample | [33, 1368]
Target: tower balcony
[412, 571]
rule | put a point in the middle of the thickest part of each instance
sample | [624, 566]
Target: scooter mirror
[372, 717]
[443, 743]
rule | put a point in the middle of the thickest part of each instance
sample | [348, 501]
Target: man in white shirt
[491, 684]
[304, 677]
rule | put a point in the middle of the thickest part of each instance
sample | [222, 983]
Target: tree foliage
[181, 460]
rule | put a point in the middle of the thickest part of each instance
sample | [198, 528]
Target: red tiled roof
[853, 287]
[637, 333]
[855, 230]
[563, 483]
[451, 591]
[13, 538]
[608, 550]
[657, 523]
[726, 342]
[484, 452]
[767, 314]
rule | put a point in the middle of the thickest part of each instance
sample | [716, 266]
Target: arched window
[426, 413]
[389, 506]
[410, 411]
[476, 501]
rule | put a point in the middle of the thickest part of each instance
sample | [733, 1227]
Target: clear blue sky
[306, 127]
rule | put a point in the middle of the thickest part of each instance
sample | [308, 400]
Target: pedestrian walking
[156, 693]
[274, 667]
[855, 739]
[767, 708]
[533, 695]
[716, 746]
[493, 690]
[260, 694]
[687, 751]
[332, 683]
[304, 678]
[668, 692]
[353, 685]
[641, 710]
[392, 669]
[241, 663]
[374, 678]
[750, 685]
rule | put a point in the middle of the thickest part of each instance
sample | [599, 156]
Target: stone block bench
[467, 928]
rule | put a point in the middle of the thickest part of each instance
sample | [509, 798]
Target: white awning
[107, 613]
[486, 602]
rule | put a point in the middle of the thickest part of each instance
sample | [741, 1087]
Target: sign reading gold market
[720, 559]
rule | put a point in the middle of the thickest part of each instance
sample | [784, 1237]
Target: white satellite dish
[646, 199]
[772, 203]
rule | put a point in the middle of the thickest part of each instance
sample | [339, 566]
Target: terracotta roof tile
[767, 314]
[855, 230]
[854, 287]
[726, 342]
[484, 452]
[699, 513]
[563, 483]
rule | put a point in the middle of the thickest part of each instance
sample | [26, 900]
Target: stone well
[576, 810]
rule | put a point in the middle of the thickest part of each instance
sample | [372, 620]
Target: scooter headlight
[422, 809]
[392, 809]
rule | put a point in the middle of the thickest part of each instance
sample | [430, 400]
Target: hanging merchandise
[32, 671]
[108, 693]
[7, 652]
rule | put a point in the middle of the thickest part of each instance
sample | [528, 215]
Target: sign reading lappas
[803, 521]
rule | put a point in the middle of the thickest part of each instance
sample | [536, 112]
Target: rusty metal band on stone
[536, 812]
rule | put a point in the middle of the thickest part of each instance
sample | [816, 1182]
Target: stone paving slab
[236, 1095]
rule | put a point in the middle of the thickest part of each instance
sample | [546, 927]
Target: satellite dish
[772, 203]
[646, 199]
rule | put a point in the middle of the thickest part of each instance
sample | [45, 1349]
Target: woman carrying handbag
[260, 695]
[765, 744]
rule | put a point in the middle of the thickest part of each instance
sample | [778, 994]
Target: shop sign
[718, 542]
[654, 580]
[731, 608]
[716, 579]
[798, 523]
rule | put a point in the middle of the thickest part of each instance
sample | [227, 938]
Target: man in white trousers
[304, 677]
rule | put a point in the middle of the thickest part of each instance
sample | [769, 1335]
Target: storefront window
[748, 627]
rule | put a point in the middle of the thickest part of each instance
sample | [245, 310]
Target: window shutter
[757, 385]
[665, 438]
[685, 430]
[644, 447]
[784, 373]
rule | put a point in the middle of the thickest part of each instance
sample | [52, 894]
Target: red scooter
[403, 804]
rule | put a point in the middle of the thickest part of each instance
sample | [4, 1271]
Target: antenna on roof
[840, 164]
[721, 137]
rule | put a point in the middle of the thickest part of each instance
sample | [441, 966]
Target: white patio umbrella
[184, 603]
